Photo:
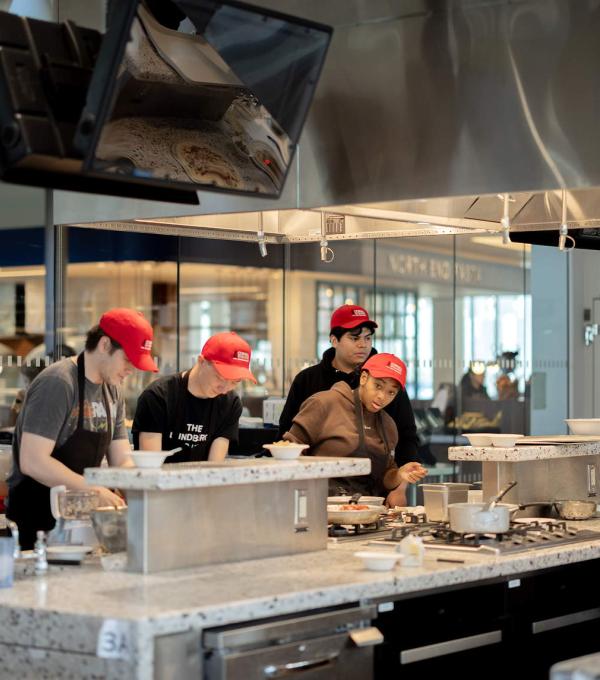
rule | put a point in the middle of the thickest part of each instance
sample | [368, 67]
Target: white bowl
[505, 440]
[583, 425]
[149, 459]
[479, 439]
[285, 451]
[379, 561]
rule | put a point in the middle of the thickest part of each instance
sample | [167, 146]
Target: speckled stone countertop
[65, 609]
[521, 453]
[228, 472]
[581, 668]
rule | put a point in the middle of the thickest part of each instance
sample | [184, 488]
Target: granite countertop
[580, 668]
[65, 609]
[522, 453]
[227, 472]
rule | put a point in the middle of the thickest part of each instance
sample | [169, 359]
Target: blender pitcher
[72, 510]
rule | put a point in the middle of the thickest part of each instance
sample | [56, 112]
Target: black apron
[29, 501]
[177, 424]
[371, 484]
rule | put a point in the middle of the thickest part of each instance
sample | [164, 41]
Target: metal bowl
[110, 525]
[575, 509]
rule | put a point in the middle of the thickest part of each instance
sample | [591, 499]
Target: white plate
[68, 553]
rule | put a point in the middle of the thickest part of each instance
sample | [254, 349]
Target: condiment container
[413, 551]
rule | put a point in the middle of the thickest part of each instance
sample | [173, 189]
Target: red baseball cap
[230, 355]
[386, 366]
[351, 316]
[133, 332]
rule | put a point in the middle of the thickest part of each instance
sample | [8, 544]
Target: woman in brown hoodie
[346, 422]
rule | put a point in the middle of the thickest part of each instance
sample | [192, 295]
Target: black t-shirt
[166, 406]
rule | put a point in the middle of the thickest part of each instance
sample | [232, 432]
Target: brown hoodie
[327, 423]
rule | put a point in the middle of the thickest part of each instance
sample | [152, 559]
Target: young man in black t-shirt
[197, 409]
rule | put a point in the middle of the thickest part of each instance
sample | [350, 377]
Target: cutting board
[555, 439]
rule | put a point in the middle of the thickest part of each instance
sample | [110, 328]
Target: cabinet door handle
[285, 670]
[567, 620]
[450, 647]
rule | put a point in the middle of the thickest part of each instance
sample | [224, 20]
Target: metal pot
[468, 518]
[575, 509]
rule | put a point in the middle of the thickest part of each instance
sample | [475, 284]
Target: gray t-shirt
[51, 409]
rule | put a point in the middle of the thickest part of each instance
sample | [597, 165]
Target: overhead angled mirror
[175, 97]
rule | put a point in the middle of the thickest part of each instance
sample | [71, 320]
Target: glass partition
[227, 285]
[315, 288]
[119, 269]
[22, 313]
[457, 309]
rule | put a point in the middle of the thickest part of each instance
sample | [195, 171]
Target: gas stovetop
[522, 535]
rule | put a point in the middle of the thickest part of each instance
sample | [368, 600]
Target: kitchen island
[82, 621]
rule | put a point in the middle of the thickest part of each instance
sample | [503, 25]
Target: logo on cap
[146, 345]
[242, 356]
[395, 367]
[359, 312]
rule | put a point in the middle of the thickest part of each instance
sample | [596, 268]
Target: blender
[72, 510]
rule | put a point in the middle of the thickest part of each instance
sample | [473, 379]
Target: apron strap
[81, 388]
[360, 423]
[178, 416]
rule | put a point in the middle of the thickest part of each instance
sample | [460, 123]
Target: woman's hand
[397, 497]
[412, 472]
[108, 498]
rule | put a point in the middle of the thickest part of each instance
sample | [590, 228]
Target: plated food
[284, 450]
[354, 513]
[203, 165]
[369, 500]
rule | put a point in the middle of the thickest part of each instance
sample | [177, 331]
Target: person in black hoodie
[351, 338]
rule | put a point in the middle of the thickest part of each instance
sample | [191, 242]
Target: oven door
[327, 646]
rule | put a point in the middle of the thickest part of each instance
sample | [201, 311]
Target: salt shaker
[413, 551]
[41, 562]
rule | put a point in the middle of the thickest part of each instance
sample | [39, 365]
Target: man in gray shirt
[73, 416]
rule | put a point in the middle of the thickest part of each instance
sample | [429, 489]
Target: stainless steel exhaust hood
[467, 100]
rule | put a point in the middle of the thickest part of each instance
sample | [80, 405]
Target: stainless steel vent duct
[459, 99]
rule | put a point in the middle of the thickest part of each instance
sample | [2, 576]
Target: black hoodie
[323, 376]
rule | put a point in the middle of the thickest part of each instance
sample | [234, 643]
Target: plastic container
[437, 497]
[412, 550]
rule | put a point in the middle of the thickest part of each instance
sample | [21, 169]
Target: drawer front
[327, 658]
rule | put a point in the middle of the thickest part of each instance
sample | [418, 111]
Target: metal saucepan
[474, 518]
[481, 518]
[575, 509]
[353, 513]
